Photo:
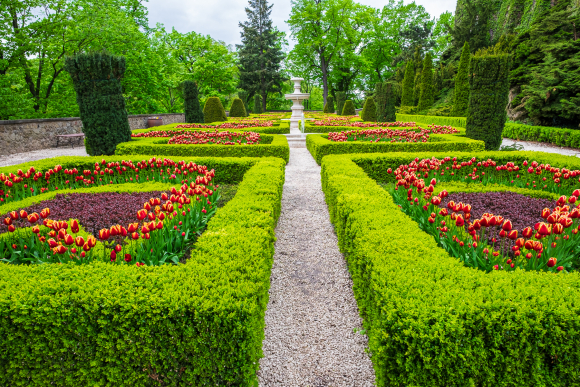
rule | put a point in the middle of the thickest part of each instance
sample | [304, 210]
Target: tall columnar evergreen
[257, 105]
[330, 103]
[385, 99]
[348, 109]
[340, 100]
[192, 108]
[408, 98]
[489, 89]
[417, 90]
[426, 99]
[237, 109]
[214, 111]
[461, 96]
[259, 54]
[97, 81]
[244, 95]
[369, 112]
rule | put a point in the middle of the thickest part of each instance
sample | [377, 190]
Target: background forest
[336, 45]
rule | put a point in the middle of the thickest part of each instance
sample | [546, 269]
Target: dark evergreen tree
[340, 100]
[260, 54]
[426, 99]
[257, 105]
[348, 109]
[472, 25]
[192, 108]
[461, 95]
[237, 109]
[330, 103]
[488, 99]
[385, 102]
[214, 111]
[244, 95]
[408, 98]
[97, 81]
[369, 112]
[417, 89]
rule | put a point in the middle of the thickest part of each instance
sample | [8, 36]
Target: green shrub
[426, 97]
[243, 95]
[461, 95]
[458, 122]
[214, 110]
[369, 112]
[432, 321]
[319, 146]
[489, 89]
[257, 104]
[272, 146]
[340, 101]
[407, 98]
[97, 79]
[385, 101]
[192, 108]
[329, 104]
[201, 323]
[348, 109]
[237, 109]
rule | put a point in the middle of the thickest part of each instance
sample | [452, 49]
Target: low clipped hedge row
[274, 146]
[200, 323]
[432, 321]
[278, 127]
[556, 136]
[319, 145]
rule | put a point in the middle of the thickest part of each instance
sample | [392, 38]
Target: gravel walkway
[543, 147]
[312, 311]
[19, 158]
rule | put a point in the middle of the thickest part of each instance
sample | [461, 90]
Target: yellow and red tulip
[45, 213]
[528, 232]
[23, 214]
[79, 241]
[552, 262]
[36, 229]
[104, 234]
[14, 215]
[141, 214]
[7, 221]
[68, 240]
[74, 226]
[33, 218]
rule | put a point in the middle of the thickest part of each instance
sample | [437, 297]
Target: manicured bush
[461, 95]
[243, 95]
[192, 108]
[426, 97]
[319, 146]
[237, 109]
[407, 98]
[257, 104]
[369, 112]
[200, 323]
[385, 100]
[432, 321]
[458, 122]
[214, 111]
[97, 82]
[348, 109]
[329, 106]
[489, 89]
[272, 146]
[340, 101]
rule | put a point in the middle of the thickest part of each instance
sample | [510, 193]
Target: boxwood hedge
[278, 127]
[319, 145]
[201, 323]
[432, 321]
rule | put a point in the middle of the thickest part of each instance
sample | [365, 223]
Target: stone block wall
[18, 136]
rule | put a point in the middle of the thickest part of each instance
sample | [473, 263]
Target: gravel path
[312, 311]
[543, 147]
[19, 158]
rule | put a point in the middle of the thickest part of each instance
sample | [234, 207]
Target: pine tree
[385, 102]
[340, 100]
[369, 112]
[417, 89]
[257, 105]
[408, 99]
[461, 96]
[259, 54]
[426, 98]
[192, 108]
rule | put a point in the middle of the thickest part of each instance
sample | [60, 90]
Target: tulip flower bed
[345, 122]
[422, 306]
[227, 125]
[197, 323]
[388, 135]
[224, 138]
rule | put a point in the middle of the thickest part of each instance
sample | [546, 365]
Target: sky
[220, 18]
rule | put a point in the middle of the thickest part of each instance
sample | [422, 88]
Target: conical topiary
[369, 112]
[214, 111]
[461, 95]
[237, 109]
[426, 98]
[192, 108]
[340, 100]
[408, 98]
[348, 109]
[243, 95]
[257, 105]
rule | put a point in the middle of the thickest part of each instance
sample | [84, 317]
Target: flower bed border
[198, 323]
[319, 145]
[279, 127]
[432, 321]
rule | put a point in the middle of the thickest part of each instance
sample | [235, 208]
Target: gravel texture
[19, 158]
[312, 313]
[543, 147]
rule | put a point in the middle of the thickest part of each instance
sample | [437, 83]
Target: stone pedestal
[297, 108]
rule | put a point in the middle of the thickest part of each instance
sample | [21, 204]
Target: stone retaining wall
[17, 136]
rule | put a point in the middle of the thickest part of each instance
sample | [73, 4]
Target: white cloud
[220, 18]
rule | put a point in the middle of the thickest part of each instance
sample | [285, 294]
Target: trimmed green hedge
[278, 147]
[276, 128]
[319, 145]
[432, 321]
[437, 120]
[201, 323]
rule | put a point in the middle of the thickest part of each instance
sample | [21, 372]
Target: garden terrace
[203, 326]
[421, 306]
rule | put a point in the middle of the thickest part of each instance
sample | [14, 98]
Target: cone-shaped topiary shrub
[325, 110]
[408, 98]
[97, 81]
[340, 100]
[488, 97]
[257, 105]
[426, 97]
[385, 102]
[214, 111]
[193, 112]
[461, 95]
[348, 109]
[369, 112]
[243, 95]
[238, 109]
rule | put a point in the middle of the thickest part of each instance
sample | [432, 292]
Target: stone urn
[154, 121]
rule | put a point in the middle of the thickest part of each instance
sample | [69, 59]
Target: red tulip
[552, 262]
[159, 225]
[23, 214]
[74, 226]
[560, 268]
[502, 234]
[152, 226]
[135, 236]
[543, 229]
[151, 216]
[147, 206]
[36, 229]
[7, 221]
[565, 221]
[459, 222]
[118, 248]
[553, 218]
[91, 241]
[527, 233]
[513, 235]
[507, 226]
[104, 234]
[61, 249]
[558, 228]
[123, 231]
[529, 245]
[576, 192]
[141, 214]
[561, 201]
[127, 258]
[11, 228]
[14, 215]
[161, 216]
[164, 196]
[520, 242]
[546, 212]
[79, 241]
[113, 256]
[33, 218]
[52, 243]
[572, 199]
[133, 227]
[68, 239]
[86, 247]
[144, 229]
[45, 213]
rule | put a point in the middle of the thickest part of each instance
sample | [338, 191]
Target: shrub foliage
[214, 111]
[193, 112]
[238, 109]
[369, 112]
[461, 96]
[426, 98]
[340, 101]
[407, 98]
[257, 104]
[348, 109]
